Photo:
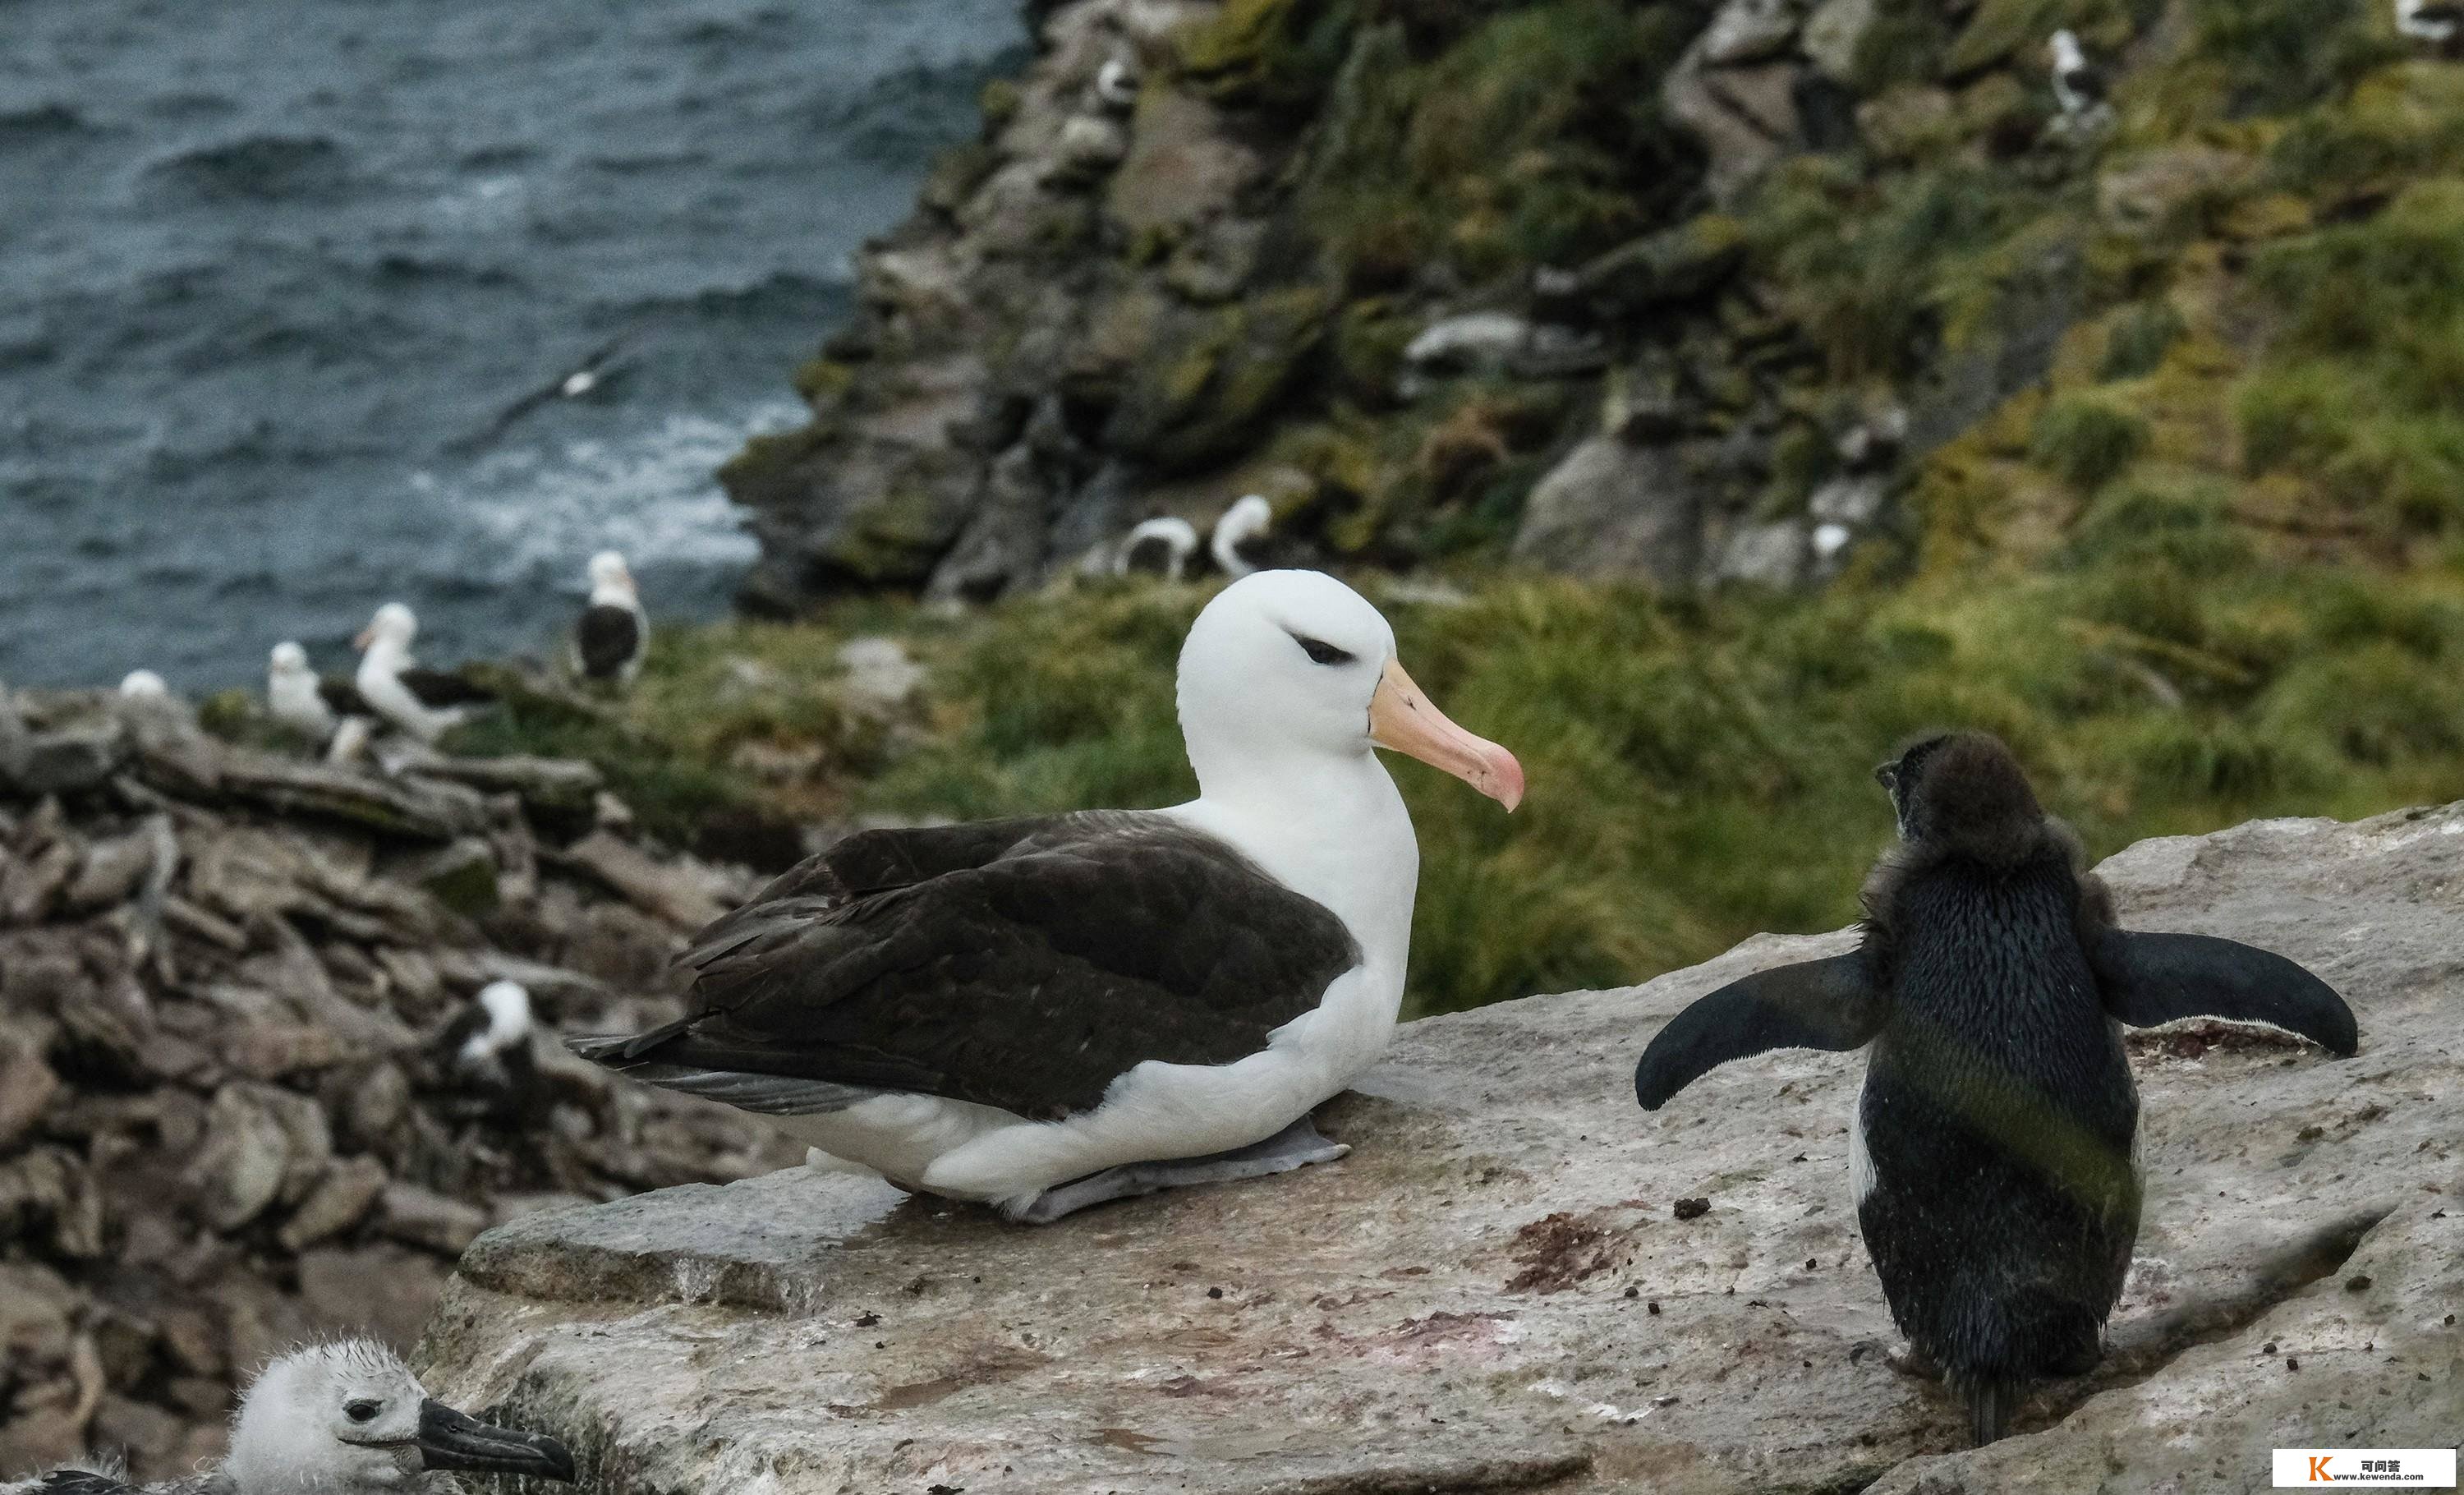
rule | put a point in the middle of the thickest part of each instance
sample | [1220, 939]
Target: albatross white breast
[1047, 1012]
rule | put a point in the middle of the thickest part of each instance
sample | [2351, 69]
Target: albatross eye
[1321, 652]
[361, 1411]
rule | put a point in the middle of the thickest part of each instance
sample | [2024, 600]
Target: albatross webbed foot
[1296, 1146]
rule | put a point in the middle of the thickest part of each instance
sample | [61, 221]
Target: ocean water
[273, 272]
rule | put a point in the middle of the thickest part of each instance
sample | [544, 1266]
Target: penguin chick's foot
[1296, 1146]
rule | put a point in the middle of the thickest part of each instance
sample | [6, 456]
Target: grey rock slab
[1448, 1306]
[1614, 510]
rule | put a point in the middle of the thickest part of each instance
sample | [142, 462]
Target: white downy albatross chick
[612, 633]
[344, 1419]
[1048, 1012]
[1160, 546]
[143, 685]
[425, 703]
[1242, 525]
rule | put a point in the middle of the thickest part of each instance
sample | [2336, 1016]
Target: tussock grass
[1700, 772]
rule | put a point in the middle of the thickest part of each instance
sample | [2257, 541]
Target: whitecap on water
[651, 494]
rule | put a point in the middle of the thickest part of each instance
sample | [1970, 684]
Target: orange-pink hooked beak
[367, 636]
[1401, 718]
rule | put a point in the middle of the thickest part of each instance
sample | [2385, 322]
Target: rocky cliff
[227, 1119]
[1668, 289]
[1519, 1281]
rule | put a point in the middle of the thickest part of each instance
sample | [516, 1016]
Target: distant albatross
[306, 701]
[1160, 546]
[612, 633]
[1045, 1013]
[2079, 86]
[2437, 22]
[425, 703]
[1239, 532]
[342, 1418]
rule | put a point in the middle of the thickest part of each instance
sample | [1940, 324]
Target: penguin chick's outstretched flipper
[1833, 1004]
[2148, 979]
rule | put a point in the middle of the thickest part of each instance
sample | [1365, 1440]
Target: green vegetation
[2200, 560]
[1699, 771]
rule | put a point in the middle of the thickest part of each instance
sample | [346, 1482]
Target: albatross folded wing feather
[438, 689]
[1022, 964]
[606, 638]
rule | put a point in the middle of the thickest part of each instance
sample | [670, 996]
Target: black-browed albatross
[308, 703]
[612, 634]
[425, 703]
[1045, 1013]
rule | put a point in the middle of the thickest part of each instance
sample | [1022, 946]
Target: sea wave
[649, 494]
[258, 169]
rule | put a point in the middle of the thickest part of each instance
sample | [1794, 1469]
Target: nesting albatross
[425, 703]
[340, 1419]
[612, 634]
[1045, 1013]
[306, 702]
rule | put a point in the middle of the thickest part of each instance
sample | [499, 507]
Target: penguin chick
[1991, 1151]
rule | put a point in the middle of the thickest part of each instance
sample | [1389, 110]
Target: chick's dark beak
[1887, 775]
[451, 1440]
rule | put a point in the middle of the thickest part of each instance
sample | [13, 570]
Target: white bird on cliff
[342, 1418]
[613, 633]
[143, 685]
[2079, 86]
[1117, 83]
[1238, 534]
[425, 703]
[1160, 546]
[1047, 1012]
[2437, 22]
[487, 1049]
[322, 710]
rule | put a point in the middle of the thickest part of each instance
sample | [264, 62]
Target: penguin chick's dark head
[1964, 793]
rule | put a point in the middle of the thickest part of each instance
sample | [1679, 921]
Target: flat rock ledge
[1494, 1292]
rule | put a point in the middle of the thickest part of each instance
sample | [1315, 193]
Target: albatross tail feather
[766, 1094]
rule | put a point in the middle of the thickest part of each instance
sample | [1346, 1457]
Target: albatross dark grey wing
[608, 638]
[438, 689]
[342, 698]
[1834, 1004]
[2150, 978]
[1024, 964]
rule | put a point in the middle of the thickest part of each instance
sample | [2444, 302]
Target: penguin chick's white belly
[962, 1151]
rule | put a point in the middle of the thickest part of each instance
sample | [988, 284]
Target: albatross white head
[392, 630]
[611, 583]
[2067, 55]
[143, 685]
[1289, 685]
[349, 1419]
[1289, 671]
